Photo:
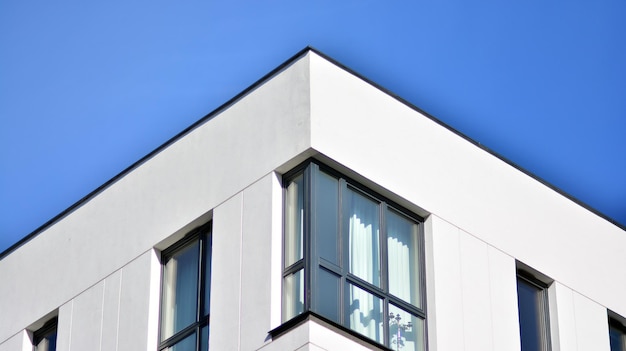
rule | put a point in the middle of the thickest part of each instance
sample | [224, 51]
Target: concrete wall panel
[226, 275]
[503, 300]
[134, 309]
[18, 342]
[110, 311]
[261, 132]
[592, 328]
[475, 288]
[432, 169]
[87, 319]
[64, 326]
[444, 287]
[256, 278]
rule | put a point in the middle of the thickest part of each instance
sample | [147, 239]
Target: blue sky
[87, 89]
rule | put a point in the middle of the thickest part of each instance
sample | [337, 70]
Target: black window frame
[204, 235]
[616, 326]
[49, 328]
[311, 262]
[544, 317]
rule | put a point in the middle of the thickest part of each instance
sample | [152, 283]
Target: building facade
[315, 211]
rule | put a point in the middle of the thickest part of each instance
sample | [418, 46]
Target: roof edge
[161, 147]
[476, 143]
[257, 84]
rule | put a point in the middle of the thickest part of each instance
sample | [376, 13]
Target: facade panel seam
[241, 209]
[104, 282]
[119, 303]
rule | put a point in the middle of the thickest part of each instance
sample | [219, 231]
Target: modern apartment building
[316, 211]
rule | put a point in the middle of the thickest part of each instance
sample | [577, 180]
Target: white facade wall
[98, 267]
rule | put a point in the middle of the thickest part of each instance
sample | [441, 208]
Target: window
[617, 335]
[532, 301]
[186, 293]
[45, 339]
[353, 258]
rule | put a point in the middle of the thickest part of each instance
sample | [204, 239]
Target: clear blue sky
[88, 88]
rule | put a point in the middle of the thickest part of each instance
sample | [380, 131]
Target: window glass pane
[293, 295]
[204, 338]
[364, 313]
[48, 343]
[207, 277]
[403, 259]
[406, 331]
[617, 339]
[327, 296]
[326, 216]
[294, 220]
[532, 316]
[363, 237]
[180, 290]
[187, 344]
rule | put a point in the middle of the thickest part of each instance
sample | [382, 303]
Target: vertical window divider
[343, 249]
[363, 283]
[308, 233]
[384, 274]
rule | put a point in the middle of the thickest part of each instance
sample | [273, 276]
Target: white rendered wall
[101, 272]
[316, 336]
[577, 323]
[245, 142]
[243, 288]
[471, 291]
[18, 342]
[382, 141]
[116, 313]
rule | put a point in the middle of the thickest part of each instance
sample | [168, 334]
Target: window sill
[314, 317]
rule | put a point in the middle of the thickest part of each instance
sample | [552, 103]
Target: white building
[315, 211]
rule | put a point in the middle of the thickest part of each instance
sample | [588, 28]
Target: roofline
[257, 84]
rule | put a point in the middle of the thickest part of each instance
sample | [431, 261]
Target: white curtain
[403, 266]
[180, 288]
[294, 222]
[293, 295]
[365, 310]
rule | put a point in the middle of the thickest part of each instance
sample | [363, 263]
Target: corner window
[353, 258]
[617, 335]
[186, 293]
[45, 339]
[532, 302]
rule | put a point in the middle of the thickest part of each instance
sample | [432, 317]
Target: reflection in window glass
[532, 305]
[47, 343]
[328, 291]
[402, 258]
[364, 313]
[617, 337]
[406, 331]
[185, 292]
[293, 295]
[204, 338]
[363, 237]
[294, 221]
[180, 289]
[350, 256]
[327, 216]
[187, 344]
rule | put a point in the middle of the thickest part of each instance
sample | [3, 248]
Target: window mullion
[384, 279]
[308, 240]
[200, 279]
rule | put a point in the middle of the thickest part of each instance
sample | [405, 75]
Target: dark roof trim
[253, 87]
[202, 120]
[457, 132]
